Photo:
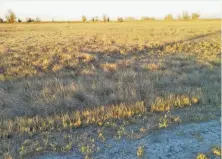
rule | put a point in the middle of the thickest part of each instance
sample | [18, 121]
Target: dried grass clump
[171, 101]
[152, 66]
[70, 120]
[109, 67]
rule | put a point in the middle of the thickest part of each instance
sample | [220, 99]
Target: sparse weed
[201, 156]
[216, 151]
[140, 151]
[164, 121]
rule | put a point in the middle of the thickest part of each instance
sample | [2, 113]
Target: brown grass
[77, 79]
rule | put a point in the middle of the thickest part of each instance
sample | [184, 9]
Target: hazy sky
[72, 10]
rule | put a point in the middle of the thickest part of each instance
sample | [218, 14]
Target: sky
[73, 10]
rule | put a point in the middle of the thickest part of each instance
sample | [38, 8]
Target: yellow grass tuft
[95, 115]
[109, 67]
[217, 151]
[171, 101]
[152, 66]
[140, 151]
[201, 156]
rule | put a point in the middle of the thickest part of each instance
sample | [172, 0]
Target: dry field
[72, 85]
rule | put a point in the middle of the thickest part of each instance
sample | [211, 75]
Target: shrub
[130, 18]
[168, 17]
[10, 17]
[38, 20]
[104, 18]
[96, 18]
[107, 19]
[19, 20]
[147, 18]
[92, 19]
[29, 20]
[120, 19]
[185, 16]
[84, 19]
[195, 16]
[1, 20]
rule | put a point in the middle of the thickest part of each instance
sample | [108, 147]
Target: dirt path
[183, 142]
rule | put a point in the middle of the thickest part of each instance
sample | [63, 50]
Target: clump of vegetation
[10, 17]
[1, 20]
[216, 151]
[147, 18]
[165, 104]
[71, 120]
[130, 18]
[120, 19]
[140, 151]
[84, 19]
[164, 121]
[195, 16]
[167, 119]
[105, 18]
[201, 156]
[152, 66]
[109, 67]
[168, 17]
[37, 20]
[96, 18]
[185, 16]
[29, 20]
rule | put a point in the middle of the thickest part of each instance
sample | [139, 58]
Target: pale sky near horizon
[73, 10]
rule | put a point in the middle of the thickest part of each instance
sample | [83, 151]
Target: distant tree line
[96, 19]
[183, 16]
[11, 18]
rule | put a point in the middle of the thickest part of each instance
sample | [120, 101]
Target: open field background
[66, 83]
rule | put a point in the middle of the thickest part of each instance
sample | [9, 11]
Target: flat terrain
[184, 141]
[64, 86]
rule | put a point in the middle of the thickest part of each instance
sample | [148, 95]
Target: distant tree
[84, 19]
[29, 20]
[10, 17]
[1, 20]
[185, 16]
[37, 20]
[104, 18]
[120, 19]
[130, 18]
[19, 20]
[195, 16]
[92, 19]
[179, 17]
[168, 17]
[96, 18]
[107, 19]
[147, 18]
